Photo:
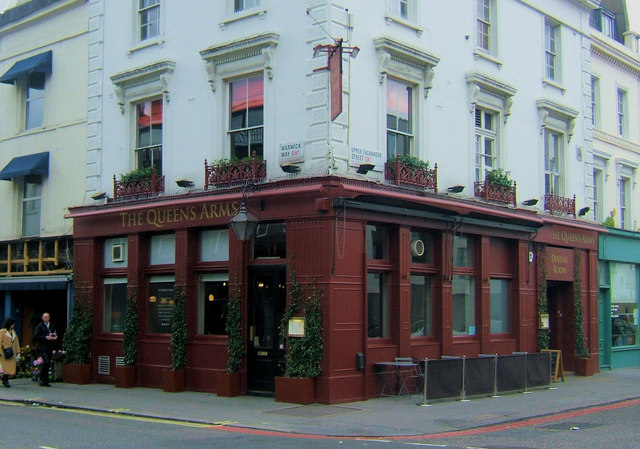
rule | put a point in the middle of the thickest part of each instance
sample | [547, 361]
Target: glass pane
[377, 306]
[270, 241]
[377, 242]
[160, 307]
[624, 304]
[421, 306]
[214, 300]
[163, 247]
[464, 305]
[399, 104]
[115, 302]
[500, 311]
[462, 251]
[214, 245]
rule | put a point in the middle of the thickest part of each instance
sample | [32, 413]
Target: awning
[35, 64]
[32, 164]
[34, 283]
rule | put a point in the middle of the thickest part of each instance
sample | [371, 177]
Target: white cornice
[37, 16]
[624, 59]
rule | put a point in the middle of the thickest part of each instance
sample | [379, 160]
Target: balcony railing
[237, 172]
[559, 204]
[492, 192]
[146, 186]
[401, 173]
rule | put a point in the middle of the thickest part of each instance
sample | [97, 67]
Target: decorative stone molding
[258, 46]
[549, 109]
[157, 73]
[481, 86]
[407, 60]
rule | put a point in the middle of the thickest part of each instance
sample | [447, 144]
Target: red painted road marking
[455, 433]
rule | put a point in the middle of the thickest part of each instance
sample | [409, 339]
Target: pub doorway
[265, 350]
[561, 334]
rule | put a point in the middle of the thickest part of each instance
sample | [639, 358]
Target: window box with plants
[497, 186]
[409, 170]
[304, 353]
[228, 384]
[126, 374]
[225, 172]
[174, 376]
[77, 342]
[139, 182]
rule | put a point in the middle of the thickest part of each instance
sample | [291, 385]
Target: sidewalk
[388, 416]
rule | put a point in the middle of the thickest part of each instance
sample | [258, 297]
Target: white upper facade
[471, 86]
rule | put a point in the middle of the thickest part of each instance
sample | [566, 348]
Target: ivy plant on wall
[581, 347]
[130, 334]
[235, 345]
[178, 345]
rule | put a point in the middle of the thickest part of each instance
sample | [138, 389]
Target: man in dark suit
[45, 335]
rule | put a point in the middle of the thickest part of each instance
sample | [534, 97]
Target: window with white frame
[406, 74]
[621, 107]
[399, 119]
[31, 205]
[148, 149]
[598, 189]
[246, 121]
[595, 101]
[552, 50]
[486, 142]
[34, 101]
[242, 5]
[402, 9]
[604, 21]
[148, 19]
[552, 162]
[486, 18]
[141, 95]
[624, 191]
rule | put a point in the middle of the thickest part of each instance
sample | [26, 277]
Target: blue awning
[32, 164]
[34, 283]
[35, 64]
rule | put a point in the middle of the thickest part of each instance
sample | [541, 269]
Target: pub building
[403, 272]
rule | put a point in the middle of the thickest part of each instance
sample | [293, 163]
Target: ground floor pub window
[421, 306]
[160, 304]
[115, 302]
[624, 304]
[212, 304]
[500, 307]
[464, 305]
[377, 305]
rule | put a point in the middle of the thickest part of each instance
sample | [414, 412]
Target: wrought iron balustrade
[401, 173]
[234, 172]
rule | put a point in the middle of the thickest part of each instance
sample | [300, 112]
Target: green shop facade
[619, 298]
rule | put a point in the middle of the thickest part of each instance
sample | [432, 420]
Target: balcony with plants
[141, 182]
[228, 172]
[497, 186]
[411, 171]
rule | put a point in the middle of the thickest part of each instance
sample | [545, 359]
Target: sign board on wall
[559, 264]
[291, 153]
[359, 156]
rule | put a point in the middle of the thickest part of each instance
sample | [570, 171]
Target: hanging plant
[543, 306]
[178, 345]
[304, 355]
[235, 345]
[581, 347]
[130, 335]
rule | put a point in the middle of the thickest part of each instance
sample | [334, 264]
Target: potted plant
[500, 178]
[126, 375]
[174, 378]
[229, 380]
[77, 343]
[407, 169]
[304, 355]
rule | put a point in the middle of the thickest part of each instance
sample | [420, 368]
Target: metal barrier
[454, 377]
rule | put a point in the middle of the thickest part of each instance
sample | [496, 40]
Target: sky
[633, 9]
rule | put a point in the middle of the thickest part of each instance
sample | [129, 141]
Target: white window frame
[553, 166]
[142, 84]
[485, 135]
[552, 51]
[137, 42]
[405, 13]
[626, 172]
[233, 60]
[595, 101]
[488, 21]
[152, 148]
[410, 133]
[558, 119]
[412, 66]
[32, 201]
[28, 102]
[599, 185]
[253, 10]
[256, 129]
[622, 112]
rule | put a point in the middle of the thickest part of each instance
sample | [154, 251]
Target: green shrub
[77, 338]
[235, 345]
[178, 345]
[130, 335]
[499, 177]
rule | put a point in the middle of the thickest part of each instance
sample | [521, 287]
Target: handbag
[8, 352]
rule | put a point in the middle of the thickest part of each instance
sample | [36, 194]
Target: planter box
[295, 390]
[228, 384]
[125, 376]
[586, 366]
[77, 373]
[173, 380]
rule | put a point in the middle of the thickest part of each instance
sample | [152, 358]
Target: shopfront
[402, 274]
[619, 299]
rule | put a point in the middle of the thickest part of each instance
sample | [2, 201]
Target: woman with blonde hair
[8, 339]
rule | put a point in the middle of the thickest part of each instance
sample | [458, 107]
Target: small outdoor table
[392, 373]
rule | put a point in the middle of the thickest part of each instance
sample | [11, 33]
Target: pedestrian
[8, 339]
[45, 335]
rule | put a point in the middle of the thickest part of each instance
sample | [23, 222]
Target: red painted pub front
[403, 273]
